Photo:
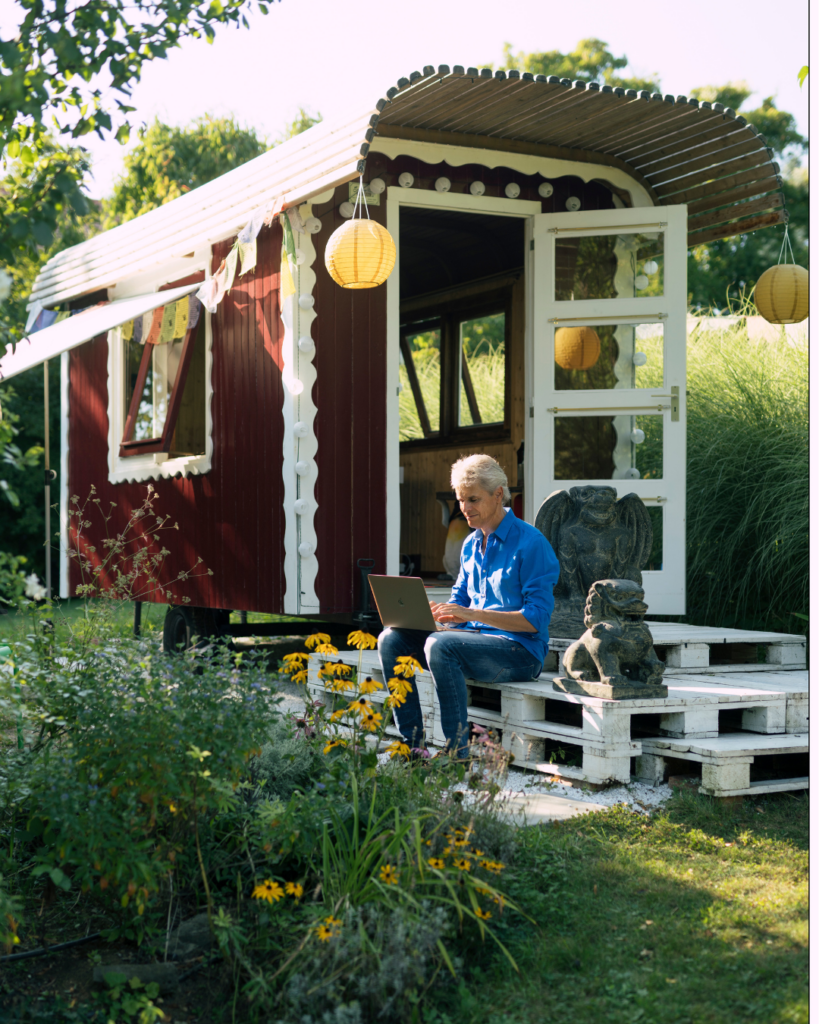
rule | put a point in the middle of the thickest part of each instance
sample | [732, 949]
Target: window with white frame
[159, 394]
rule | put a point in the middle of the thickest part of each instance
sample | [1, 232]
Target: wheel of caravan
[177, 630]
[183, 623]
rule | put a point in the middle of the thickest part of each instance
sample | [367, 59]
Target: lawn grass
[68, 614]
[659, 920]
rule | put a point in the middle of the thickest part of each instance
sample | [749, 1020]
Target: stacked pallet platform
[741, 723]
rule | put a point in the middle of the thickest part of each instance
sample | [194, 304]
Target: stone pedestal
[623, 691]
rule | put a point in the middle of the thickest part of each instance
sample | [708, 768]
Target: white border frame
[425, 198]
[155, 466]
[64, 411]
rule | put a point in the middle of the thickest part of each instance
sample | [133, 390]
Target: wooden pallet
[601, 739]
[726, 761]
[697, 649]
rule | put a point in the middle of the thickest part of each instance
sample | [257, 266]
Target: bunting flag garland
[168, 319]
[128, 331]
[194, 306]
[152, 337]
[247, 253]
[288, 261]
[180, 322]
[137, 330]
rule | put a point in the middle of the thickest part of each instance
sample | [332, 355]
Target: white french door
[607, 387]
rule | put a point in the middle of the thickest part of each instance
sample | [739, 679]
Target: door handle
[675, 403]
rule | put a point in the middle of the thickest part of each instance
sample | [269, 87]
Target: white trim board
[64, 517]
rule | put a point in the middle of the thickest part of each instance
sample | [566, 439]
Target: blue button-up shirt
[516, 573]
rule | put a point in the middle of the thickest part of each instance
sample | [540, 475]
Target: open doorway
[461, 374]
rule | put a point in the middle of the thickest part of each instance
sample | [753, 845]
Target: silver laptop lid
[402, 602]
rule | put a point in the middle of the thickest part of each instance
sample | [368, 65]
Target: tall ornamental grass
[747, 517]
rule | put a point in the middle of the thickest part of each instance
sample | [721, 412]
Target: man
[496, 621]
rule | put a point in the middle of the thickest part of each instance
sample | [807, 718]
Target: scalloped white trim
[549, 167]
[139, 468]
[300, 570]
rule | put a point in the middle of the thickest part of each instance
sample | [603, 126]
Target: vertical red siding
[350, 332]
[232, 517]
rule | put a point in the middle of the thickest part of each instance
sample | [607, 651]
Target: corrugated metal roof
[681, 150]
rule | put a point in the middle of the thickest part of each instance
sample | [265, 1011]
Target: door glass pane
[608, 356]
[419, 401]
[482, 387]
[623, 447]
[623, 266]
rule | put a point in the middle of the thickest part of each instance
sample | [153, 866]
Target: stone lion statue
[595, 537]
[617, 648]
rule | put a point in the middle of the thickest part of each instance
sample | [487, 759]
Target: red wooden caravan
[298, 437]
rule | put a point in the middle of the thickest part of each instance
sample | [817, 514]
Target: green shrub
[748, 484]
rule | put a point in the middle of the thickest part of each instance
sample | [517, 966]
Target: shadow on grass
[698, 914]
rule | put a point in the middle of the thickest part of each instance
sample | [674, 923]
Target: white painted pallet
[606, 736]
[726, 761]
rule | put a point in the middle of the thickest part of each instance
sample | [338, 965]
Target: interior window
[609, 266]
[482, 388]
[419, 402]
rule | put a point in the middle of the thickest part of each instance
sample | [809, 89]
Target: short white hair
[480, 470]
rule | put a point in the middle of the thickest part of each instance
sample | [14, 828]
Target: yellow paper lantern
[576, 348]
[360, 254]
[781, 294]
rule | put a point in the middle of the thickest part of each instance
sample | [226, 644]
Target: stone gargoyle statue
[595, 537]
[615, 657]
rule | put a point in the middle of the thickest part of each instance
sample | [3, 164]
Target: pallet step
[726, 760]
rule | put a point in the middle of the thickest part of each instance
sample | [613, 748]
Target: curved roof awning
[680, 150]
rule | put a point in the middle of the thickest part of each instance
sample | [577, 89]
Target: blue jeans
[452, 656]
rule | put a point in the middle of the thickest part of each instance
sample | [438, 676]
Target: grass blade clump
[747, 516]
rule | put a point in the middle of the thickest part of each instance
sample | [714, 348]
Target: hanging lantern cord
[786, 241]
[360, 199]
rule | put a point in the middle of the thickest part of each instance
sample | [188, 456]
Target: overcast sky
[337, 57]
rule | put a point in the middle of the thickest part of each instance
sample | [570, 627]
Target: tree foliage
[589, 61]
[75, 61]
[170, 161]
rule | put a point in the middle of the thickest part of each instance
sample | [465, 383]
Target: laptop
[402, 602]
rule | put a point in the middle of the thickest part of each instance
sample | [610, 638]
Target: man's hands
[515, 622]
[451, 612]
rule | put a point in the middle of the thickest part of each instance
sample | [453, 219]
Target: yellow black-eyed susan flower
[269, 891]
[388, 874]
[363, 641]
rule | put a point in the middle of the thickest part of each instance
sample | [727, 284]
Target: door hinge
[531, 244]
[531, 412]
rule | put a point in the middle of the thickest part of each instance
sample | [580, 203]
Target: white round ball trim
[638, 436]
[639, 359]
[377, 186]
[443, 185]
[307, 346]
[302, 467]
[477, 188]
[406, 180]
[312, 225]
[545, 189]
[306, 301]
[301, 429]
[512, 190]
[346, 210]
[300, 507]
[573, 203]
[305, 549]
[295, 387]
[640, 282]
[650, 267]
[631, 474]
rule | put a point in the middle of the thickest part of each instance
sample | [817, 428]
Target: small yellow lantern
[781, 294]
[360, 254]
[576, 348]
